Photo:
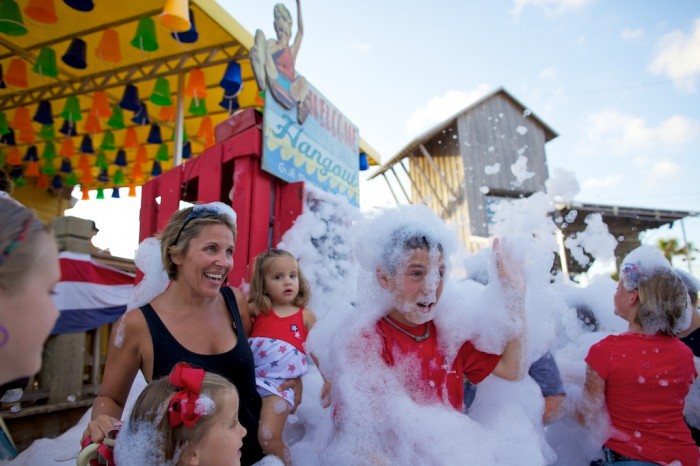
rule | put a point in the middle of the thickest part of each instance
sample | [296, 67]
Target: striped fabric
[90, 294]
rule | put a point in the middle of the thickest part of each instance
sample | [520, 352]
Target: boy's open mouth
[425, 308]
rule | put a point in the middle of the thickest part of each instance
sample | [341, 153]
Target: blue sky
[619, 81]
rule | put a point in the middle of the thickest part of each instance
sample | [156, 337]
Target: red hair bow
[182, 405]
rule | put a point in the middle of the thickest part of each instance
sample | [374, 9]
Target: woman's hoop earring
[4, 335]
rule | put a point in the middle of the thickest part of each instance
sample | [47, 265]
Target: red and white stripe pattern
[89, 293]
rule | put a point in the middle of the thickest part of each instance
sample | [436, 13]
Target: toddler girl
[278, 296]
[187, 418]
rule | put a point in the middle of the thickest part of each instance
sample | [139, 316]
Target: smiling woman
[197, 319]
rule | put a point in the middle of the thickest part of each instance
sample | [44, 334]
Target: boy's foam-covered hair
[382, 240]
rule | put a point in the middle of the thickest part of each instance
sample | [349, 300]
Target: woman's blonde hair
[258, 295]
[184, 225]
[663, 302]
[151, 411]
[21, 234]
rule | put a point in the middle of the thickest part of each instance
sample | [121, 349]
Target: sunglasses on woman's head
[197, 212]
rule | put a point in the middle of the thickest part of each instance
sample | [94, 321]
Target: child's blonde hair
[663, 302]
[258, 296]
[150, 412]
[20, 236]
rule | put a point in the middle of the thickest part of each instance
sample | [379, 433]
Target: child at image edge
[278, 297]
[193, 415]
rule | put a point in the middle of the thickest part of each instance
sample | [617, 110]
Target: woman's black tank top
[236, 365]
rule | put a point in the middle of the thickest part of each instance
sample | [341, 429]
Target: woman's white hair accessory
[155, 280]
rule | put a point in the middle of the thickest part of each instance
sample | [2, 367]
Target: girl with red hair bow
[187, 418]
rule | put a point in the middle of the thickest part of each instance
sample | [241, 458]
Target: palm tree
[670, 249]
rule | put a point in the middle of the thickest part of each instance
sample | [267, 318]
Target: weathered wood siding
[475, 155]
[446, 198]
[497, 132]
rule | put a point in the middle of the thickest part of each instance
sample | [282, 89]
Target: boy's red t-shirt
[438, 379]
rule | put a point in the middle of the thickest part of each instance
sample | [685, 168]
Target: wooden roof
[624, 223]
[437, 129]
[648, 218]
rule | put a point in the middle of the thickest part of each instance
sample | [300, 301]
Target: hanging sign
[305, 137]
[322, 151]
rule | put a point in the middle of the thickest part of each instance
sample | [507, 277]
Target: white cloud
[629, 34]
[678, 130]
[547, 94]
[442, 107]
[549, 73]
[610, 181]
[550, 7]
[677, 55]
[662, 173]
[362, 47]
[615, 133]
[666, 168]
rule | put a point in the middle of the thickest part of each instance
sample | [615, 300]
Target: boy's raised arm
[511, 277]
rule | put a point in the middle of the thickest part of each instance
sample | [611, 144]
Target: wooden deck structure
[624, 223]
[463, 163]
[493, 150]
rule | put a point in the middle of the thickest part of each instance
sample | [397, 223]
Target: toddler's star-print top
[278, 350]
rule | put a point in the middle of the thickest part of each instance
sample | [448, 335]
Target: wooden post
[63, 366]
[96, 359]
[390, 188]
[408, 199]
[415, 165]
[426, 154]
[413, 183]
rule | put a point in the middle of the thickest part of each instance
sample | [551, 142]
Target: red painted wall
[266, 207]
